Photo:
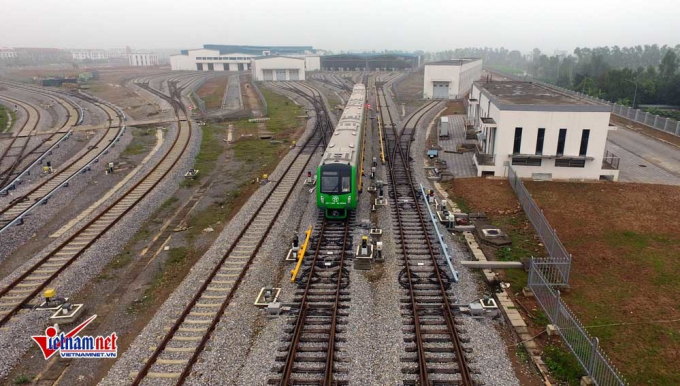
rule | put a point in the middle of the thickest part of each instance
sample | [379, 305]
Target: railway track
[321, 313]
[20, 206]
[74, 116]
[435, 353]
[179, 349]
[14, 152]
[20, 292]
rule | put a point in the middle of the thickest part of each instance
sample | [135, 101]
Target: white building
[7, 53]
[450, 79]
[541, 132]
[237, 58]
[143, 59]
[87, 54]
[277, 68]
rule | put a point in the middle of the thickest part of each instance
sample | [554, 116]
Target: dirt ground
[212, 91]
[625, 242]
[108, 87]
[411, 88]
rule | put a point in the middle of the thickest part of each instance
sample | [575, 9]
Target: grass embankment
[625, 276]
[210, 151]
[212, 92]
[282, 112]
[625, 242]
[143, 141]
[4, 119]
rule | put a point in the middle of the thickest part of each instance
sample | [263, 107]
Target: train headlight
[349, 199]
[321, 199]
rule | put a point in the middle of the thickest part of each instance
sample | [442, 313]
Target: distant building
[277, 68]
[116, 53]
[30, 55]
[143, 59]
[370, 62]
[88, 54]
[237, 58]
[450, 79]
[541, 132]
[7, 53]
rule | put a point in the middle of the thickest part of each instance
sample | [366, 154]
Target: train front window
[336, 179]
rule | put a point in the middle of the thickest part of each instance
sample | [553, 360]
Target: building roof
[529, 96]
[254, 50]
[365, 55]
[453, 62]
[275, 56]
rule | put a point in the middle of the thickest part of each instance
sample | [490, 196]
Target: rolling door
[199, 66]
[240, 66]
[441, 90]
[294, 74]
[268, 74]
[281, 75]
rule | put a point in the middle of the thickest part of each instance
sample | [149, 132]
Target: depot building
[450, 79]
[214, 57]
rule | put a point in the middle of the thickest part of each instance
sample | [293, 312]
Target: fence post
[665, 125]
[593, 353]
[557, 308]
[656, 117]
[677, 128]
[637, 111]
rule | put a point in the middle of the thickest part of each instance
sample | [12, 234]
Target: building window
[539, 141]
[518, 141]
[526, 161]
[584, 143]
[570, 163]
[561, 140]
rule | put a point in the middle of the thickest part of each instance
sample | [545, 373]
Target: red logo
[70, 345]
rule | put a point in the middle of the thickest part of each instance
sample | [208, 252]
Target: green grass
[122, 260]
[22, 379]
[282, 112]
[167, 203]
[211, 149]
[171, 267]
[210, 216]
[3, 119]
[142, 141]
[462, 204]
[563, 365]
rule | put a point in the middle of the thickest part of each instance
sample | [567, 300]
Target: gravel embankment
[99, 255]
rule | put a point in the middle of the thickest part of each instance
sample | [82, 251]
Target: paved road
[460, 165]
[232, 100]
[661, 162]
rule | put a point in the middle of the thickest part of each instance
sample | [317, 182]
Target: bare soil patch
[411, 87]
[212, 91]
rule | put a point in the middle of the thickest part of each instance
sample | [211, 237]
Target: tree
[668, 66]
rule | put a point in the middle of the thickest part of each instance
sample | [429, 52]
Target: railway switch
[364, 254]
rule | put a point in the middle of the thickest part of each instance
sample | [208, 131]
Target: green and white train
[339, 175]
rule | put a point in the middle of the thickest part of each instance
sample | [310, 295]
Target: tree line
[649, 74]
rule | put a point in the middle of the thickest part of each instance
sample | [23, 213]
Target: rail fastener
[301, 255]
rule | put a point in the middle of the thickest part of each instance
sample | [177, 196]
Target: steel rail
[128, 201]
[403, 153]
[142, 374]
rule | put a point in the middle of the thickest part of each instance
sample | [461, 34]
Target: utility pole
[635, 93]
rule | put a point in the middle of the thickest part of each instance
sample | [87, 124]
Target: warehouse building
[370, 62]
[450, 79]
[277, 68]
[237, 58]
[541, 132]
[139, 59]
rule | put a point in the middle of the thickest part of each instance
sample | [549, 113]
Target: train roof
[343, 144]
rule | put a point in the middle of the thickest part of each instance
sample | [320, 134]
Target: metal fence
[585, 347]
[199, 102]
[666, 125]
[264, 101]
[557, 270]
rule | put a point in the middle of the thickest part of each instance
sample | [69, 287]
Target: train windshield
[336, 179]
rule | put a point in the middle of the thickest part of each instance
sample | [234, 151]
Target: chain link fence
[557, 270]
[657, 122]
[546, 275]
[585, 348]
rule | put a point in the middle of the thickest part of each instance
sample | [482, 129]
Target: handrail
[445, 247]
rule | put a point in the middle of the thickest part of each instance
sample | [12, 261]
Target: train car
[339, 175]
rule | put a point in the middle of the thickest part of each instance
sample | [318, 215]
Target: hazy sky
[339, 25]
